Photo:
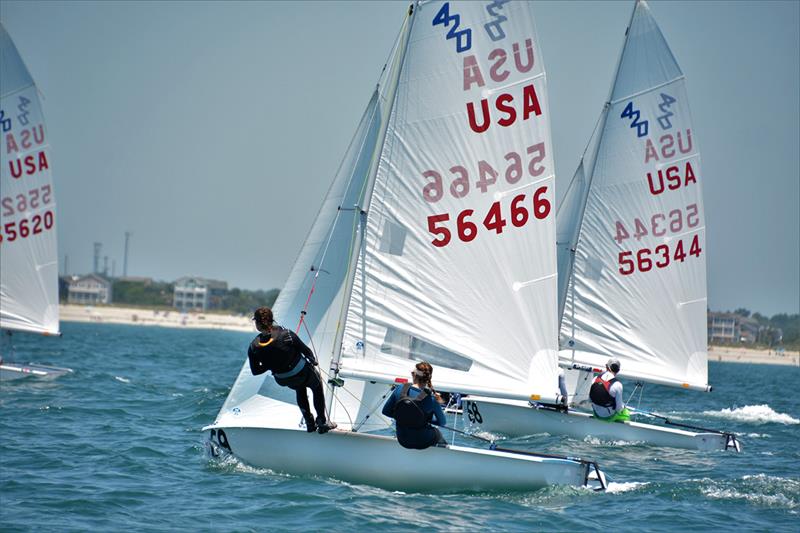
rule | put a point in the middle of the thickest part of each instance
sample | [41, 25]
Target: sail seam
[640, 93]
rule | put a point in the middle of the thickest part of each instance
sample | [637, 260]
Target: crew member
[414, 408]
[606, 395]
[292, 364]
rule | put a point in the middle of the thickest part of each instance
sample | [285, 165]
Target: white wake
[754, 414]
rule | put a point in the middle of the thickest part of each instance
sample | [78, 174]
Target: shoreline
[149, 317]
[175, 319]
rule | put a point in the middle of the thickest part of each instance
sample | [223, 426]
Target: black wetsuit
[418, 438]
[292, 365]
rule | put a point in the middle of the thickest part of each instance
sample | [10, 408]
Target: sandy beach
[149, 317]
[176, 319]
[729, 354]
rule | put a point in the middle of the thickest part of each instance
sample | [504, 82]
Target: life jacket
[599, 394]
[408, 411]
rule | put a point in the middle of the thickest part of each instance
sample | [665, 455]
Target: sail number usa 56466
[518, 211]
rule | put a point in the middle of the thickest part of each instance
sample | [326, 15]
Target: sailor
[414, 408]
[292, 364]
[606, 395]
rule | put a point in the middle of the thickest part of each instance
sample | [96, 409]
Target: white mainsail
[28, 251]
[457, 265]
[637, 289]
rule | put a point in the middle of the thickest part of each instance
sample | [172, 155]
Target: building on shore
[198, 294]
[90, 289]
[730, 328]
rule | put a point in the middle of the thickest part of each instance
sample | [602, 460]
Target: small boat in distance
[435, 242]
[28, 251]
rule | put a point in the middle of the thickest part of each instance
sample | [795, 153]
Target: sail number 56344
[467, 230]
[644, 259]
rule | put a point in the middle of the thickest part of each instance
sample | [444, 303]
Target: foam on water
[759, 489]
[121, 379]
[594, 441]
[618, 488]
[754, 414]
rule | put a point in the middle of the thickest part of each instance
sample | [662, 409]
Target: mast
[366, 198]
[573, 245]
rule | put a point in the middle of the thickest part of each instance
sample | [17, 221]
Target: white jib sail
[318, 278]
[457, 266]
[638, 286]
[28, 251]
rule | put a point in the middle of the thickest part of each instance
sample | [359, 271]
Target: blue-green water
[117, 446]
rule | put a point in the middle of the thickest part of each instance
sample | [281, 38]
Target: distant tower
[113, 268]
[66, 264]
[97, 248]
[125, 259]
[105, 265]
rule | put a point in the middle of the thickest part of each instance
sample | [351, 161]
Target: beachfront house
[730, 328]
[198, 294]
[90, 289]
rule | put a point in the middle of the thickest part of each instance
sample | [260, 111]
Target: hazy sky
[212, 130]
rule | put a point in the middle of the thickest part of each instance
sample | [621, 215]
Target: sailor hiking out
[292, 364]
[606, 395]
[414, 408]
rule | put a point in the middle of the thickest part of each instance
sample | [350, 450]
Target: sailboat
[28, 252]
[632, 257]
[434, 242]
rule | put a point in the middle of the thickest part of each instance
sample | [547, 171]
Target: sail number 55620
[467, 230]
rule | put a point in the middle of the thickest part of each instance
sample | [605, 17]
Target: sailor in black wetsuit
[414, 409]
[292, 363]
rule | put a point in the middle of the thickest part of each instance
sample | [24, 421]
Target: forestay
[28, 252]
[457, 265]
[638, 285]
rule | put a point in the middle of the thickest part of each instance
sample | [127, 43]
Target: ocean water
[117, 446]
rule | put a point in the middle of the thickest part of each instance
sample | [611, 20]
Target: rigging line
[633, 393]
[378, 404]
[333, 389]
[317, 368]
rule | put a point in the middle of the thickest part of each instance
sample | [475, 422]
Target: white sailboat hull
[517, 419]
[10, 371]
[382, 462]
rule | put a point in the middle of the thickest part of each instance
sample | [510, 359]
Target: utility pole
[113, 268]
[66, 264]
[97, 248]
[125, 260]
